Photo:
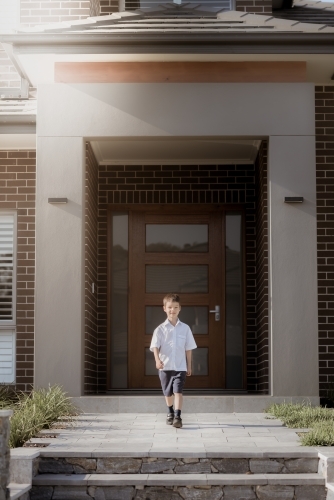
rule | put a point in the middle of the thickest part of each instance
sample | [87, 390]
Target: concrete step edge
[100, 453]
[17, 490]
[330, 486]
[176, 479]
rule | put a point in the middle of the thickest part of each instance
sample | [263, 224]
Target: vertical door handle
[216, 311]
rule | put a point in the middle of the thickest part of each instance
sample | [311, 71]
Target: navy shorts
[172, 382]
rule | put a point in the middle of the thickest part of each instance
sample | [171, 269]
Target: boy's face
[172, 309]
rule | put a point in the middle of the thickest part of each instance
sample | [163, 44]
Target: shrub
[35, 411]
[8, 397]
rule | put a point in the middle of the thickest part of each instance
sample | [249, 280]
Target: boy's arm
[189, 360]
[158, 363]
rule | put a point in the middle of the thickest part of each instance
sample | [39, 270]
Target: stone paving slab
[146, 434]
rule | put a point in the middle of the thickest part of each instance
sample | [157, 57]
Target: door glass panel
[177, 238]
[169, 279]
[119, 301]
[234, 320]
[194, 316]
[150, 368]
[200, 361]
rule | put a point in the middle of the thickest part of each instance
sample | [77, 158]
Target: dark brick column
[324, 109]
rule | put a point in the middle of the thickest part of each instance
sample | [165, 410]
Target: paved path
[201, 434]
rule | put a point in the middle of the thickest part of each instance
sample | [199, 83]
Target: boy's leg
[178, 394]
[166, 385]
[178, 400]
[170, 414]
[169, 401]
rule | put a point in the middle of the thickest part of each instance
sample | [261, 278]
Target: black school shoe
[170, 419]
[177, 422]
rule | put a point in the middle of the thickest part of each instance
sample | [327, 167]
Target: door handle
[216, 312]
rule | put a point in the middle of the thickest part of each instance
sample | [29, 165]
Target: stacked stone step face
[184, 465]
[227, 476]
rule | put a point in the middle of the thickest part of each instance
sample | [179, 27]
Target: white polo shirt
[173, 342]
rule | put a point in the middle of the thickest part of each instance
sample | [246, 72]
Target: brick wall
[91, 195]
[53, 11]
[262, 270]
[108, 7]
[8, 74]
[179, 184]
[254, 6]
[33, 12]
[17, 181]
[324, 102]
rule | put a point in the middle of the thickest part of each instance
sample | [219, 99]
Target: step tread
[176, 479]
[73, 452]
[16, 490]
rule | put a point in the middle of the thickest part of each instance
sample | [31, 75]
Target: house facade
[148, 149]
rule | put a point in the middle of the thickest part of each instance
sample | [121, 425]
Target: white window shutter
[7, 268]
[7, 356]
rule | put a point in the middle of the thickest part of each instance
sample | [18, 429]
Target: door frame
[185, 208]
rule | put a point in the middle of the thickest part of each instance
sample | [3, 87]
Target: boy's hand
[159, 364]
[189, 373]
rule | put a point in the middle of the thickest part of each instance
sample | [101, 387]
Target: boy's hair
[171, 297]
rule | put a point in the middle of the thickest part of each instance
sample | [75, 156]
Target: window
[7, 296]
[7, 268]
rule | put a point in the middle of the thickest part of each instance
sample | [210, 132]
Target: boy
[172, 343]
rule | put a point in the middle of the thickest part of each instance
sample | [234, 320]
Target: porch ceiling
[241, 151]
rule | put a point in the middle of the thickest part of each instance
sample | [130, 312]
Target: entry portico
[280, 113]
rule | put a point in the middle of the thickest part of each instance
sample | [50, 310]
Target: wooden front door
[175, 250]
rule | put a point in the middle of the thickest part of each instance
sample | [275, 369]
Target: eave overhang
[176, 43]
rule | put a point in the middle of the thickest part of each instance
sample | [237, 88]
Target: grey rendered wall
[67, 114]
[292, 261]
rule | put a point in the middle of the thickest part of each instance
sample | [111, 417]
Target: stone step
[182, 486]
[177, 466]
[18, 491]
[115, 450]
[215, 403]
[330, 491]
[176, 480]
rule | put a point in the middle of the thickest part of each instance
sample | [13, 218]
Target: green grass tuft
[321, 434]
[300, 415]
[35, 411]
[319, 420]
